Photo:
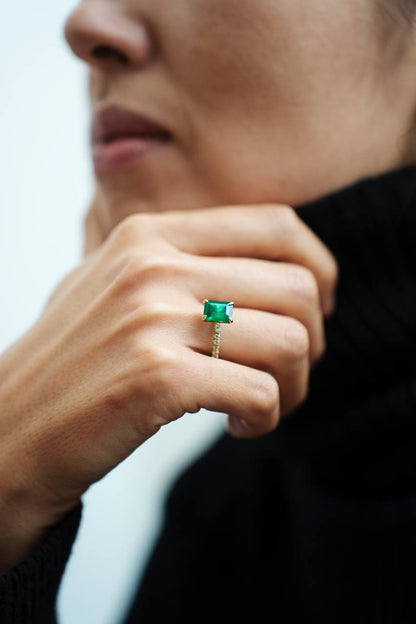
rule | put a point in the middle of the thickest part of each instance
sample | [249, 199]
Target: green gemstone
[218, 311]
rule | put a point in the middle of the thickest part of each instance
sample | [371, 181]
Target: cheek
[229, 78]
[267, 84]
[230, 52]
[241, 85]
[273, 55]
[265, 69]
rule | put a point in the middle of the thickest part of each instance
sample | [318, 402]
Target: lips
[114, 123]
[121, 138]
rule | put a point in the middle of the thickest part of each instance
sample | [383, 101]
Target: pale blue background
[46, 182]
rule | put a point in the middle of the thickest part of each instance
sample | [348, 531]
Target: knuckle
[158, 357]
[282, 220]
[286, 221]
[134, 229]
[154, 312]
[166, 269]
[148, 377]
[296, 341]
[155, 383]
[303, 283]
[157, 364]
[143, 318]
[116, 396]
[141, 268]
[162, 266]
[149, 266]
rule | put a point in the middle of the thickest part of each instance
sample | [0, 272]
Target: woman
[244, 151]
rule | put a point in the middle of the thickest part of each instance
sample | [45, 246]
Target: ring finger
[273, 343]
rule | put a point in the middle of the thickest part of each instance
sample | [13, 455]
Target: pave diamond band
[217, 312]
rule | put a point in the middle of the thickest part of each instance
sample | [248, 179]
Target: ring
[217, 312]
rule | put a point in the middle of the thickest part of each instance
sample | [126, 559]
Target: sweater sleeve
[28, 591]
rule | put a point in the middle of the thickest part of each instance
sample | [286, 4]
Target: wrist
[24, 518]
[19, 534]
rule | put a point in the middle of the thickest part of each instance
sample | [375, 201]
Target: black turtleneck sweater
[317, 520]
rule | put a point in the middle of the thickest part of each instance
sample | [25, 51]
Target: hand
[121, 349]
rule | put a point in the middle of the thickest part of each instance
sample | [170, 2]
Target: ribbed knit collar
[371, 339]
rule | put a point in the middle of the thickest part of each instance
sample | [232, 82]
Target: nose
[101, 34]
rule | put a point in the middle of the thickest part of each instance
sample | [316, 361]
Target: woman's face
[267, 100]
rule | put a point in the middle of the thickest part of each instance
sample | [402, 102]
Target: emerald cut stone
[218, 311]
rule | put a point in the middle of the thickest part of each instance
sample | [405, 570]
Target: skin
[261, 122]
[268, 101]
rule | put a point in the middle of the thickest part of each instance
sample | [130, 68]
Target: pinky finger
[249, 396]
